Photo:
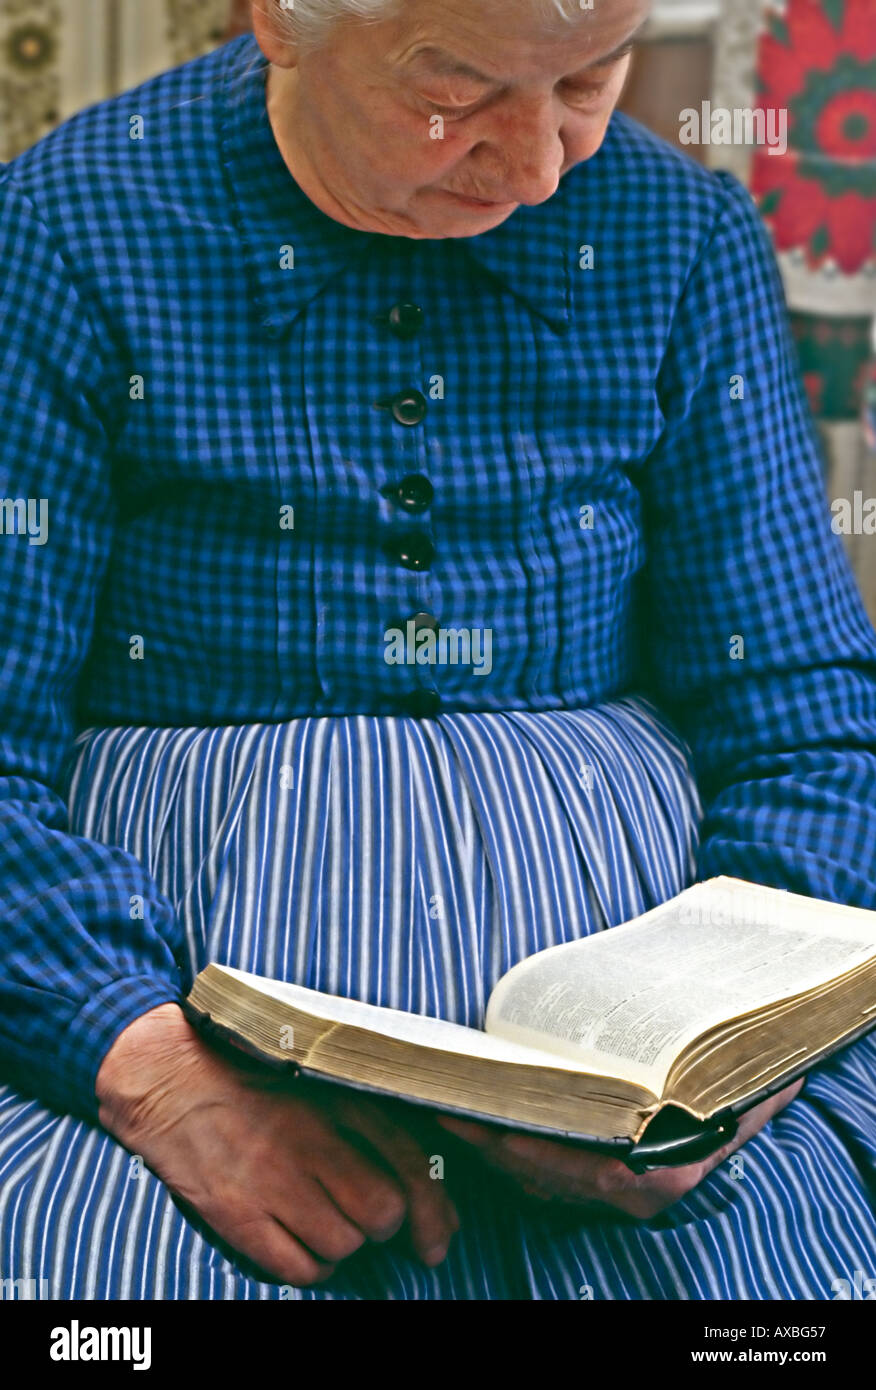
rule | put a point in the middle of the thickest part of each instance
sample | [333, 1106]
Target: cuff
[94, 1030]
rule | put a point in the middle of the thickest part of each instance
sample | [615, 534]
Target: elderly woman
[384, 319]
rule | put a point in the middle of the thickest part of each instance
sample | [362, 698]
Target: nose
[528, 147]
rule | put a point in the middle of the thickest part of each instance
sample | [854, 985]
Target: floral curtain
[816, 60]
[57, 56]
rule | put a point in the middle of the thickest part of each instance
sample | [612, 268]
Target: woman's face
[382, 132]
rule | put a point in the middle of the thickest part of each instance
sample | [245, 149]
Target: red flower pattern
[818, 61]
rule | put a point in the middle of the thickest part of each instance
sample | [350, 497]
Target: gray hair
[309, 22]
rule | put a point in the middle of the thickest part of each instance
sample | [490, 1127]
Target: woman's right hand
[277, 1174]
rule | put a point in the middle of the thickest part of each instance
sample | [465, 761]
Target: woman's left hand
[563, 1172]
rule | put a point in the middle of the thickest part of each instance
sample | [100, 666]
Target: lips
[471, 198]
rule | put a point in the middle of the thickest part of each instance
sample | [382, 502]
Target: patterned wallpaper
[57, 56]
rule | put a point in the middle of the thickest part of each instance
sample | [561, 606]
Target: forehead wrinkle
[442, 61]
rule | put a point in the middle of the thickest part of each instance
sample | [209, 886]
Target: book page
[395, 1023]
[632, 996]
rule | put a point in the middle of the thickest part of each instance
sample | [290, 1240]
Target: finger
[543, 1168]
[310, 1215]
[517, 1152]
[546, 1168]
[272, 1247]
[566, 1160]
[372, 1199]
[754, 1120]
[469, 1130]
[432, 1217]
[659, 1189]
[662, 1187]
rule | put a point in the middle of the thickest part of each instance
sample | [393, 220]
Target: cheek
[405, 147]
[596, 135]
[584, 142]
[584, 139]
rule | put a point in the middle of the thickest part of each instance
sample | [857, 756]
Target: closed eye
[580, 94]
[449, 111]
[574, 96]
[590, 92]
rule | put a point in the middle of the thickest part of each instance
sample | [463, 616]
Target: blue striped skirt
[411, 863]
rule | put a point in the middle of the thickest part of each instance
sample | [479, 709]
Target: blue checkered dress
[232, 460]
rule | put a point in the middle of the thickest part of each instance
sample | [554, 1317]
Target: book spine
[232, 1044]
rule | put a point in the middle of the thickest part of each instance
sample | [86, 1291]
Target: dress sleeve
[757, 640]
[75, 966]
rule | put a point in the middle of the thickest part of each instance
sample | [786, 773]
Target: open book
[646, 1040]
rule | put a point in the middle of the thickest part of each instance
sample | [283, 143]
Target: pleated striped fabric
[411, 863]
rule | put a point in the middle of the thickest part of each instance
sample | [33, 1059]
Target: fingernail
[435, 1255]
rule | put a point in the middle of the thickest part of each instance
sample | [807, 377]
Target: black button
[414, 550]
[422, 622]
[415, 492]
[405, 319]
[422, 703]
[425, 620]
[407, 406]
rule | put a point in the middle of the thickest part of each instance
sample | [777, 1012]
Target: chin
[462, 224]
[470, 226]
